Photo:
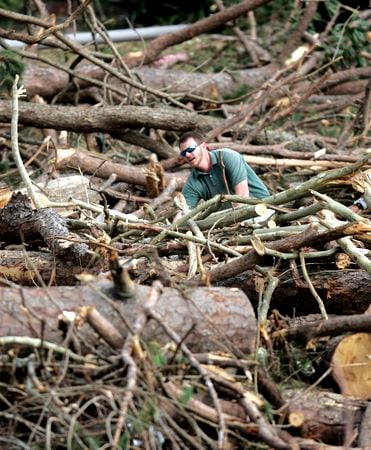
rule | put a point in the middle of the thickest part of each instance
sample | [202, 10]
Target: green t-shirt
[201, 185]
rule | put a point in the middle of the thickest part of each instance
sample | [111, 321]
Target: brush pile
[123, 327]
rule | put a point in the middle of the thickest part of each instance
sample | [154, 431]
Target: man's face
[194, 157]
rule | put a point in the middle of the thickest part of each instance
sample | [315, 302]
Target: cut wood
[351, 365]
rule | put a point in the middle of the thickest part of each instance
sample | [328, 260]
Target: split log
[209, 318]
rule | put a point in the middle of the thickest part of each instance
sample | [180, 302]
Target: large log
[117, 119]
[37, 79]
[211, 318]
[85, 119]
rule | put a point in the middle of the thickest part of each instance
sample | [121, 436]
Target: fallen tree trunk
[37, 80]
[208, 85]
[109, 118]
[209, 318]
[115, 119]
[307, 238]
[104, 168]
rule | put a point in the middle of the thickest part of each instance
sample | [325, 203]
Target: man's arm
[242, 189]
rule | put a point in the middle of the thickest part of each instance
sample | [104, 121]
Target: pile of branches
[123, 328]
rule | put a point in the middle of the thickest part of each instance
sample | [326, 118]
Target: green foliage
[347, 39]
[186, 395]
[331, 131]
[124, 441]
[145, 418]
[4, 166]
[12, 5]
[275, 13]
[238, 94]
[10, 66]
[156, 354]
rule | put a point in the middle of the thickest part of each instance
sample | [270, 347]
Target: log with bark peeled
[210, 318]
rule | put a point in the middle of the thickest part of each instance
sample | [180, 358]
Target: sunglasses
[188, 150]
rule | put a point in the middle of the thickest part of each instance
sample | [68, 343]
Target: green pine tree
[10, 66]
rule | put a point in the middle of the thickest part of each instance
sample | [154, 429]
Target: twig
[311, 287]
[16, 93]
[273, 282]
[37, 343]
[266, 431]
[127, 357]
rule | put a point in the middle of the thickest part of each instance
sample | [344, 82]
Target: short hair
[191, 135]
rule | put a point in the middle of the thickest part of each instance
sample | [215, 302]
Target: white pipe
[135, 34]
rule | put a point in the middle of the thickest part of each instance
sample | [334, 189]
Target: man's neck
[205, 164]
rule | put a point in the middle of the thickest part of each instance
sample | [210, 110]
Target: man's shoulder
[227, 152]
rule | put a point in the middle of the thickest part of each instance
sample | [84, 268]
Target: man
[215, 172]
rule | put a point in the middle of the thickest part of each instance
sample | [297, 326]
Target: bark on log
[37, 80]
[210, 85]
[343, 291]
[310, 237]
[364, 439]
[45, 223]
[109, 118]
[324, 414]
[114, 119]
[221, 317]
[26, 268]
